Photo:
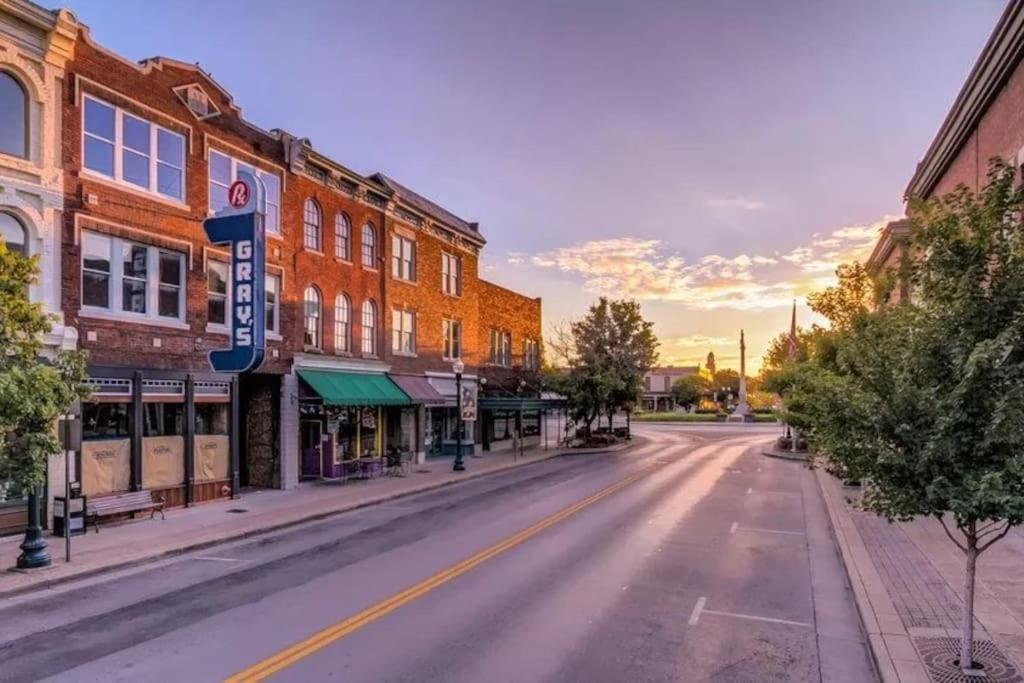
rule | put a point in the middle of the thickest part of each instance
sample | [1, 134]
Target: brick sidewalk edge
[44, 583]
[889, 639]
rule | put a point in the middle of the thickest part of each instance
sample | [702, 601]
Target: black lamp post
[33, 549]
[458, 366]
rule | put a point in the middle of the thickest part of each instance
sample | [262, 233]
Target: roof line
[996, 62]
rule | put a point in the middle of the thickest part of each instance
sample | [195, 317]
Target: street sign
[241, 228]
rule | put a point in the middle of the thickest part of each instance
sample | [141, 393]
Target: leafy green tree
[688, 390]
[33, 392]
[606, 354]
[924, 402]
[726, 381]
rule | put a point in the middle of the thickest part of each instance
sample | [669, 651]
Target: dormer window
[197, 101]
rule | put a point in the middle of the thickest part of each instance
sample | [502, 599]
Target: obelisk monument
[742, 408]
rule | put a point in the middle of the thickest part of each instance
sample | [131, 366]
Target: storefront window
[163, 419]
[345, 433]
[105, 421]
[212, 418]
[368, 432]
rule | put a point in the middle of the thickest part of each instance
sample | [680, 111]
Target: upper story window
[342, 237]
[369, 328]
[13, 116]
[403, 258]
[131, 279]
[218, 296]
[342, 324]
[451, 274]
[313, 316]
[531, 354]
[452, 331]
[13, 234]
[501, 348]
[224, 171]
[403, 331]
[217, 292]
[272, 303]
[132, 150]
[369, 246]
[311, 234]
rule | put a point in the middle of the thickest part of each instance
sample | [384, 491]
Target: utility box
[70, 516]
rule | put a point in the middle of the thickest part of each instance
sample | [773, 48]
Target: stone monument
[742, 411]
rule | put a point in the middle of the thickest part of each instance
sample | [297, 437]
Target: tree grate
[940, 656]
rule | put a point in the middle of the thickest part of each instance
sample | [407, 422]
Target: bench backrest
[122, 501]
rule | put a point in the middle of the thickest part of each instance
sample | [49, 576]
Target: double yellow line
[292, 654]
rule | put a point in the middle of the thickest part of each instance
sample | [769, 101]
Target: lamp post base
[34, 554]
[458, 466]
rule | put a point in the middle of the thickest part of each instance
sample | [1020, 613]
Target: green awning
[354, 388]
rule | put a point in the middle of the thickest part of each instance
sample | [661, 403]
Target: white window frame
[274, 329]
[370, 262]
[342, 240]
[318, 341]
[451, 331]
[115, 290]
[451, 282]
[368, 333]
[403, 332]
[311, 209]
[224, 328]
[272, 226]
[343, 328]
[119, 150]
[403, 258]
[210, 294]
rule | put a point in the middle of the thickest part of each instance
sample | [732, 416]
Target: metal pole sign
[240, 226]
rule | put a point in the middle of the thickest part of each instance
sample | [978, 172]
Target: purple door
[311, 433]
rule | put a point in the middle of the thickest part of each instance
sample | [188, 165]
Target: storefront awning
[419, 389]
[354, 388]
[516, 403]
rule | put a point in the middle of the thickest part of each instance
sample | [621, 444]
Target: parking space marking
[699, 609]
[769, 531]
[211, 558]
[695, 614]
[734, 527]
[750, 490]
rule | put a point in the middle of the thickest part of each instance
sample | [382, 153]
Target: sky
[713, 160]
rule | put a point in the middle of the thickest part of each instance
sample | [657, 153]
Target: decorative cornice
[893, 234]
[997, 61]
[60, 44]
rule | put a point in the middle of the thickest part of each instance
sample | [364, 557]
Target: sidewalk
[908, 582]
[118, 546]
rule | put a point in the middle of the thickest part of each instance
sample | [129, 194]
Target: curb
[313, 517]
[784, 455]
[877, 612]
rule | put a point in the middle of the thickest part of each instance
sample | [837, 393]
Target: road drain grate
[237, 511]
[940, 656]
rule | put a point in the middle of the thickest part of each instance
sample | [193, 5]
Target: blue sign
[241, 227]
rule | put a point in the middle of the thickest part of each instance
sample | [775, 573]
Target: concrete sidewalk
[908, 582]
[117, 546]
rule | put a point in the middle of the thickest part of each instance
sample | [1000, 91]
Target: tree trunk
[967, 627]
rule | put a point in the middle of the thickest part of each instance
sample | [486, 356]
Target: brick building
[985, 121]
[373, 293]
[34, 47]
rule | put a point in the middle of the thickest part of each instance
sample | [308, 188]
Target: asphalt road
[690, 557]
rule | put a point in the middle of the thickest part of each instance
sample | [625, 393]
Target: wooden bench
[136, 501]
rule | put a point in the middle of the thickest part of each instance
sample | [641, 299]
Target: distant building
[657, 394]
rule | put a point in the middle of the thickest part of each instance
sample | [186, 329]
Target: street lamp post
[34, 553]
[458, 366]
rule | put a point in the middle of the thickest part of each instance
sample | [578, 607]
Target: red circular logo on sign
[238, 194]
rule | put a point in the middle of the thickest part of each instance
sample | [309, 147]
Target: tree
[606, 353]
[33, 392]
[924, 401]
[851, 297]
[688, 390]
[726, 380]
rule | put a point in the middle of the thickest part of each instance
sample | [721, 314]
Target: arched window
[369, 328]
[369, 246]
[311, 225]
[342, 237]
[342, 324]
[12, 232]
[311, 337]
[13, 116]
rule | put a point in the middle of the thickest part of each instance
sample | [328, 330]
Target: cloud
[646, 269]
[737, 203]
